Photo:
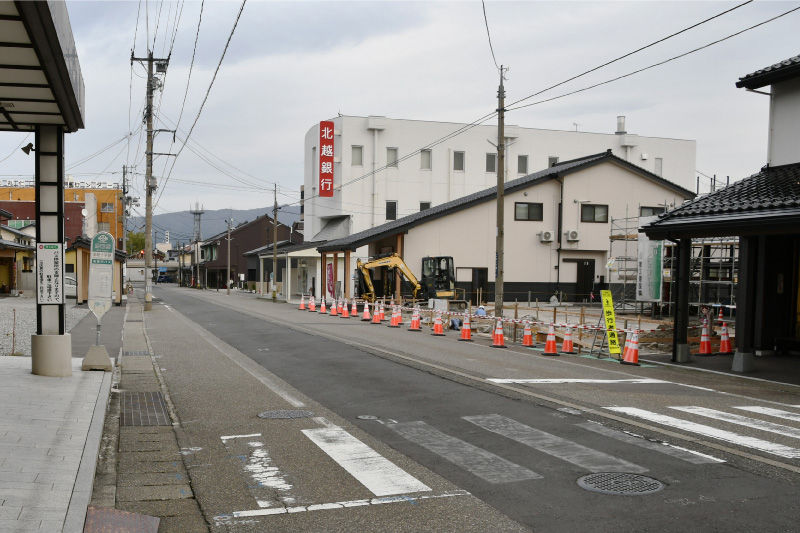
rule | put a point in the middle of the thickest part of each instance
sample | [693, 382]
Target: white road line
[226, 518]
[229, 437]
[378, 474]
[771, 412]
[264, 478]
[708, 431]
[742, 421]
[690, 456]
[572, 452]
[480, 462]
[568, 380]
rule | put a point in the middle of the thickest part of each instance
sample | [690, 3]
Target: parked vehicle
[70, 287]
[166, 279]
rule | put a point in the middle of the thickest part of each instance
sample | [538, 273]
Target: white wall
[784, 123]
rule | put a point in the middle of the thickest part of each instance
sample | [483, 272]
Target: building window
[391, 210]
[650, 211]
[522, 164]
[491, 162]
[103, 226]
[659, 170]
[391, 157]
[106, 207]
[552, 161]
[528, 211]
[594, 213]
[424, 205]
[458, 161]
[357, 156]
[425, 160]
[69, 268]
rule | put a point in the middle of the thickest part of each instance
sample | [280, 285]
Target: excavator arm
[391, 262]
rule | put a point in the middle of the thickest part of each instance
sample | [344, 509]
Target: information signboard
[649, 277]
[611, 325]
[50, 273]
[101, 273]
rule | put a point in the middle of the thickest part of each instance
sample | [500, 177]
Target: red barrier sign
[326, 158]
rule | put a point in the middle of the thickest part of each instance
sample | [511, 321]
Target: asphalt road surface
[539, 439]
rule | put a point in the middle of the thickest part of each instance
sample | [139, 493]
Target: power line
[191, 65]
[486, 21]
[631, 53]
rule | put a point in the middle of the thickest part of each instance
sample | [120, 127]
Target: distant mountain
[181, 224]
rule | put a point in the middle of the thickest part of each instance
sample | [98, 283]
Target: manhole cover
[285, 413]
[620, 483]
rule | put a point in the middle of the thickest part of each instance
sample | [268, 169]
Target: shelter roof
[788, 68]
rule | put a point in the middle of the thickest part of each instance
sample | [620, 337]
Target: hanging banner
[329, 279]
[326, 159]
[101, 274]
[50, 273]
[611, 325]
[649, 276]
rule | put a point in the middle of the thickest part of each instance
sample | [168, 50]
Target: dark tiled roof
[768, 75]
[403, 224]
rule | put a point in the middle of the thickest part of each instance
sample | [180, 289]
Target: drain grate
[286, 413]
[143, 409]
[620, 483]
[101, 520]
[134, 320]
[136, 352]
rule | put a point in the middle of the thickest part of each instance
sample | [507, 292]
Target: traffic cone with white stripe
[725, 342]
[341, 306]
[365, 317]
[395, 322]
[719, 318]
[415, 321]
[466, 330]
[438, 328]
[322, 306]
[382, 315]
[632, 354]
[312, 305]
[343, 312]
[498, 339]
[354, 310]
[302, 302]
[333, 308]
[550, 347]
[376, 315]
[566, 346]
[527, 335]
[627, 345]
[705, 343]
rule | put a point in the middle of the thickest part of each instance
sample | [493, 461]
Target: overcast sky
[292, 64]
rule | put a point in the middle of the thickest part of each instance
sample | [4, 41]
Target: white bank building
[385, 169]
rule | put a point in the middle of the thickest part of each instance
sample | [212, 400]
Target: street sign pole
[101, 282]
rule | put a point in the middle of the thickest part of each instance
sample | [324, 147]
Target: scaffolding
[623, 246]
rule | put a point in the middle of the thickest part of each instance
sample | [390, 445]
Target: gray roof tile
[768, 75]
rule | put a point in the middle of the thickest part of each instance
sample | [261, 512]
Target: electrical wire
[485, 20]
[15, 149]
[191, 65]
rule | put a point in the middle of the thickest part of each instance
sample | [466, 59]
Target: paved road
[722, 450]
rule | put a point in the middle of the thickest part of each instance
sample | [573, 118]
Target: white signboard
[649, 275]
[101, 273]
[50, 273]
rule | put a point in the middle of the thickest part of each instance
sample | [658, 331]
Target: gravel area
[26, 323]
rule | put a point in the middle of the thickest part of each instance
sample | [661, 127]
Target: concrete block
[51, 355]
[97, 359]
[743, 362]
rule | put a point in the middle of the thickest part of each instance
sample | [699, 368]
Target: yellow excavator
[438, 277]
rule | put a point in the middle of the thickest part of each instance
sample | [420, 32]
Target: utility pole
[275, 247]
[499, 245]
[150, 182]
[228, 280]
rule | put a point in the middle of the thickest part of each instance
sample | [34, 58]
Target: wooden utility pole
[499, 244]
[275, 247]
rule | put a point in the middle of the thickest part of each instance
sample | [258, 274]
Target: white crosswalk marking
[371, 469]
[478, 461]
[546, 381]
[742, 420]
[708, 431]
[771, 412]
[662, 447]
[592, 460]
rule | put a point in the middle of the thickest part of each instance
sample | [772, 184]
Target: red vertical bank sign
[326, 159]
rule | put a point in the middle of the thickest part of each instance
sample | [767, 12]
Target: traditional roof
[788, 68]
[284, 247]
[560, 169]
[768, 201]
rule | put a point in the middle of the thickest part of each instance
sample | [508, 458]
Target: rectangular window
[425, 160]
[103, 226]
[522, 164]
[458, 161]
[650, 211]
[659, 170]
[69, 268]
[391, 157]
[528, 211]
[106, 207]
[424, 205]
[552, 161]
[594, 213]
[357, 156]
[391, 210]
[491, 162]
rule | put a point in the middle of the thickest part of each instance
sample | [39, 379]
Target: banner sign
[326, 159]
[649, 279]
[101, 274]
[50, 273]
[330, 279]
[611, 326]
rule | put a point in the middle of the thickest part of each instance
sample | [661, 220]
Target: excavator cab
[439, 277]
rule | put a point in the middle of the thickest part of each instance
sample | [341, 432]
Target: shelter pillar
[51, 346]
[743, 358]
[347, 274]
[680, 344]
[335, 272]
[323, 287]
[397, 279]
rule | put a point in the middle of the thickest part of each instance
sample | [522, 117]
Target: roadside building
[16, 258]
[763, 211]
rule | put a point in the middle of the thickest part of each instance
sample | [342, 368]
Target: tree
[135, 242]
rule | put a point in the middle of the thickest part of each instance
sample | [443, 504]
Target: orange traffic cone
[395, 321]
[466, 330]
[322, 306]
[354, 310]
[415, 321]
[438, 328]
[627, 345]
[719, 318]
[343, 312]
[499, 340]
[333, 308]
[341, 306]
[376, 315]
[312, 306]
[705, 343]
[632, 354]
[550, 347]
[724, 342]
[527, 336]
[382, 315]
[365, 317]
[566, 346]
[302, 302]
